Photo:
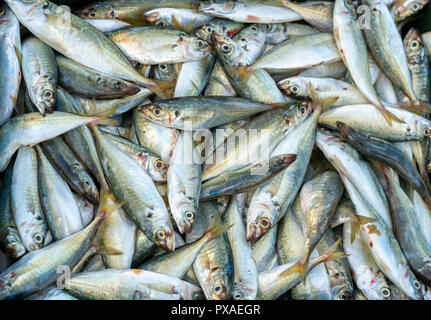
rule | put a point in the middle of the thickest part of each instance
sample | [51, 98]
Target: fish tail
[416, 106]
[102, 118]
[289, 4]
[332, 253]
[216, 227]
[163, 89]
[107, 206]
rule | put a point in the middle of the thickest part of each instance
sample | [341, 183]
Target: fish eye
[265, 223]
[47, 94]
[415, 7]
[38, 238]
[157, 111]
[217, 288]
[253, 28]
[225, 48]
[294, 89]
[237, 295]
[161, 234]
[303, 110]
[160, 165]
[415, 44]
[92, 14]
[189, 215]
[177, 113]
[163, 67]
[118, 84]
[160, 23]
[427, 132]
[344, 295]
[385, 292]
[201, 44]
[87, 183]
[209, 29]
[416, 284]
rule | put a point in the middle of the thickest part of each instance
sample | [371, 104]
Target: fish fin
[289, 4]
[318, 103]
[102, 118]
[245, 72]
[290, 271]
[417, 107]
[189, 27]
[332, 253]
[18, 55]
[87, 255]
[163, 89]
[176, 24]
[105, 209]
[389, 116]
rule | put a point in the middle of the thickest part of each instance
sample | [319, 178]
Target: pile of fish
[218, 149]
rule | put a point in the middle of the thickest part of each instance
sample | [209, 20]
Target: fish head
[163, 71]
[117, 84]
[219, 284]
[96, 11]
[426, 270]
[413, 44]
[30, 8]
[410, 285]
[186, 214]
[295, 87]
[404, 9]
[156, 167]
[215, 7]
[198, 48]
[45, 96]
[204, 31]
[260, 219]
[227, 49]
[251, 37]
[423, 128]
[343, 291]
[33, 230]
[350, 8]
[14, 247]
[240, 291]
[89, 188]
[5, 14]
[161, 113]
[165, 238]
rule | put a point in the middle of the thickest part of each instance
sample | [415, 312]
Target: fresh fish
[386, 152]
[152, 164]
[244, 179]
[131, 184]
[10, 240]
[32, 128]
[245, 283]
[79, 41]
[39, 68]
[178, 18]
[202, 112]
[184, 180]
[107, 25]
[247, 11]
[228, 28]
[59, 206]
[84, 81]
[131, 284]
[10, 60]
[71, 169]
[403, 9]
[278, 32]
[156, 45]
[26, 208]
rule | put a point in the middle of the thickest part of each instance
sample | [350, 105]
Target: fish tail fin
[103, 118]
[163, 89]
[292, 270]
[107, 206]
[216, 227]
[288, 4]
[331, 253]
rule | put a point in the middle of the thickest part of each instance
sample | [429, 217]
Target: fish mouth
[166, 242]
